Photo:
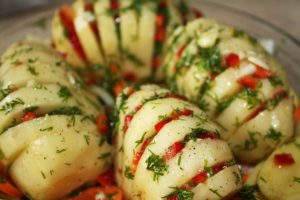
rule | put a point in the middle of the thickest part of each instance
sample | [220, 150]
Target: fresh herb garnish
[64, 93]
[128, 174]
[273, 134]
[210, 59]
[8, 106]
[250, 96]
[216, 193]
[138, 142]
[47, 129]
[91, 118]
[104, 156]
[32, 70]
[66, 111]
[87, 139]
[248, 192]
[296, 179]
[222, 105]
[275, 81]
[180, 194]
[60, 150]
[156, 165]
[250, 143]
[133, 58]
[43, 175]
[101, 140]
[32, 60]
[194, 135]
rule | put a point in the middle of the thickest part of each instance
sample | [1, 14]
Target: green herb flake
[210, 60]
[4, 93]
[262, 179]
[32, 70]
[133, 58]
[250, 143]
[216, 193]
[91, 118]
[238, 178]
[296, 179]
[181, 194]
[43, 175]
[64, 93]
[60, 150]
[250, 96]
[32, 60]
[273, 135]
[104, 156]
[47, 129]
[128, 174]
[275, 81]
[8, 106]
[66, 111]
[140, 141]
[156, 165]
[87, 139]
[248, 192]
[102, 139]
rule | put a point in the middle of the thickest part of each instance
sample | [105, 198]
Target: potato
[157, 123]
[231, 77]
[53, 165]
[281, 182]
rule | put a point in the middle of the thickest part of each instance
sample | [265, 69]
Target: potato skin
[155, 104]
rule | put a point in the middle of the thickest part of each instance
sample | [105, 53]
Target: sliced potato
[53, 165]
[281, 182]
[16, 139]
[62, 43]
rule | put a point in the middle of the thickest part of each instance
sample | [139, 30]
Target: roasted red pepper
[173, 150]
[67, 16]
[232, 60]
[262, 73]
[127, 120]
[107, 178]
[248, 81]
[284, 159]
[201, 177]
[28, 116]
[102, 123]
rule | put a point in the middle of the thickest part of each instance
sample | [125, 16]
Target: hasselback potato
[127, 33]
[49, 139]
[167, 147]
[233, 79]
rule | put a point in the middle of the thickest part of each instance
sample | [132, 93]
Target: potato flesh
[209, 33]
[62, 43]
[280, 182]
[16, 139]
[49, 156]
[87, 37]
[49, 174]
[107, 30]
[195, 155]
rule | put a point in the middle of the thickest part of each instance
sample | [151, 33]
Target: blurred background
[284, 14]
